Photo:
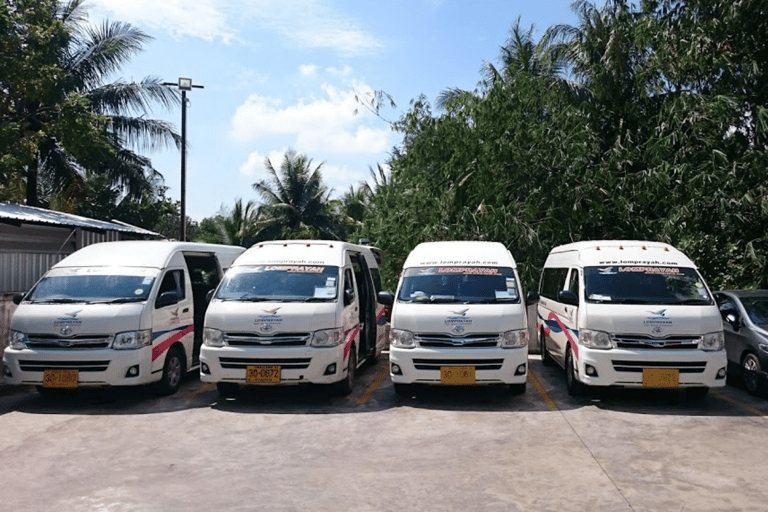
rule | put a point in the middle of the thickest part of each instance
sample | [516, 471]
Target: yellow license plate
[60, 378]
[457, 375]
[661, 378]
[262, 374]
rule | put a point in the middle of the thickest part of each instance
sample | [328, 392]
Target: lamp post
[184, 84]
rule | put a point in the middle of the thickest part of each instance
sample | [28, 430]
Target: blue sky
[280, 74]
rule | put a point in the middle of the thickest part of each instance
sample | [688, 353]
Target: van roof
[624, 252]
[473, 253]
[304, 252]
[143, 253]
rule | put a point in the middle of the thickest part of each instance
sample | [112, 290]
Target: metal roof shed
[34, 239]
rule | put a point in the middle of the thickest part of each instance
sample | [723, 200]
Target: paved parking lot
[283, 449]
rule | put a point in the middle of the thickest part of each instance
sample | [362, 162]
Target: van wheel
[750, 373]
[173, 372]
[344, 386]
[546, 359]
[575, 387]
[228, 389]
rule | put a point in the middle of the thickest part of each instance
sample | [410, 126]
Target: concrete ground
[286, 449]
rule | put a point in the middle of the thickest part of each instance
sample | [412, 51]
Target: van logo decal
[66, 331]
[607, 271]
[462, 312]
[74, 313]
[272, 312]
[660, 313]
[658, 319]
[457, 329]
[68, 319]
[657, 330]
[265, 328]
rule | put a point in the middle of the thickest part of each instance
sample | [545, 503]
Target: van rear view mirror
[531, 297]
[386, 298]
[567, 297]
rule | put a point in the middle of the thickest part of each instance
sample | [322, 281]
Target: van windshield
[645, 285]
[466, 285]
[90, 286]
[280, 283]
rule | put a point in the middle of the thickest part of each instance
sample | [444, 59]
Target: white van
[116, 314]
[294, 312]
[459, 318]
[629, 313]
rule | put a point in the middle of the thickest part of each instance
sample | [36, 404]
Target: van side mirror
[167, 299]
[17, 298]
[531, 297]
[567, 297]
[734, 320]
[349, 296]
[209, 295]
[385, 298]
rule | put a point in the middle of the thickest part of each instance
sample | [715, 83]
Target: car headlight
[401, 339]
[18, 340]
[132, 340]
[328, 337]
[595, 339]
[514, 339]
[712, 341]
[213, 337]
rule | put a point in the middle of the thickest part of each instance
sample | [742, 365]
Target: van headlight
[595, 339]
[514, 339]
[213, 337]
[328, 337]
[401, 339]
[132, 340]
[18, 340]
[712, 341]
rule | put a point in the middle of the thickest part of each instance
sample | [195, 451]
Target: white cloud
[308, 70]
[312, 24]
[254, 167]
[320, 124]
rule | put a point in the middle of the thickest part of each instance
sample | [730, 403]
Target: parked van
[629, 313]
[459, 318]
[294, 312]
[116, 314]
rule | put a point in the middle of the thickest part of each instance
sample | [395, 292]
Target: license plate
[457, 374]
[60, 378]
[661, 378]
[262, 374]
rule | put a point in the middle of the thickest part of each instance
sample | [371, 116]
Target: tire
[750, 373]
[546, 359]
[345, 385]
[696, 393]
[517, 389]
[228, 389]
[575, 387]
[173, 372]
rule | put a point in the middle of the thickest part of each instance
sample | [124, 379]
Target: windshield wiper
[493, 300]
[119, 300]
[318, 299]
[692, 302]
[630, 300]
[255, 299]
[60, 301]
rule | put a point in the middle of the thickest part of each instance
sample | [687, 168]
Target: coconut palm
[110, 123]
[295, 201]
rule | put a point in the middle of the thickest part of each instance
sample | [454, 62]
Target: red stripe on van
[162, 347]
[348, 346]
[564, 328]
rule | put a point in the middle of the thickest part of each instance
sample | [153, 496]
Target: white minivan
[459, 318]
[629, 314]
[116, 314]
[295, 312]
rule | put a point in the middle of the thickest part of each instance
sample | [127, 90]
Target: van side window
[573, 282]
[173, 282]
[552, 281]
[376, 279]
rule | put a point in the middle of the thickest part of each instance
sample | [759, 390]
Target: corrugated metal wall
[19, 271]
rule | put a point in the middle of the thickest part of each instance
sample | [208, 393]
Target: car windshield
[757, 309]
[89, 287]
[645, 285]
[280, 283]
[466, 285]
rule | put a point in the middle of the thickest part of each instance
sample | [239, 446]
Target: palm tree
[109, 118]
[295, 201]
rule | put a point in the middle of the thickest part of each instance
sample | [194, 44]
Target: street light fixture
[184, 85]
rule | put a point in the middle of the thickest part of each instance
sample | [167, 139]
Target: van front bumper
[298, 365]
[492, 365]
[618, 367]
[98, 367]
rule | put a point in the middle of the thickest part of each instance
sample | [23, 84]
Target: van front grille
[82, 366]
[293, 363]
[649, 342]
[249, 339]
[479, 364]
[639, 366]
[84, 341]
[469, 341]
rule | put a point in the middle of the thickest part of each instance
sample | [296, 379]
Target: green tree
[238, 225]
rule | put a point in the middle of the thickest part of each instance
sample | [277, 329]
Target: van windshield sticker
[470, 271]
[299, 269]
[652, 270]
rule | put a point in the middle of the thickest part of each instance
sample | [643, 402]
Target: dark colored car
[745, 323]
